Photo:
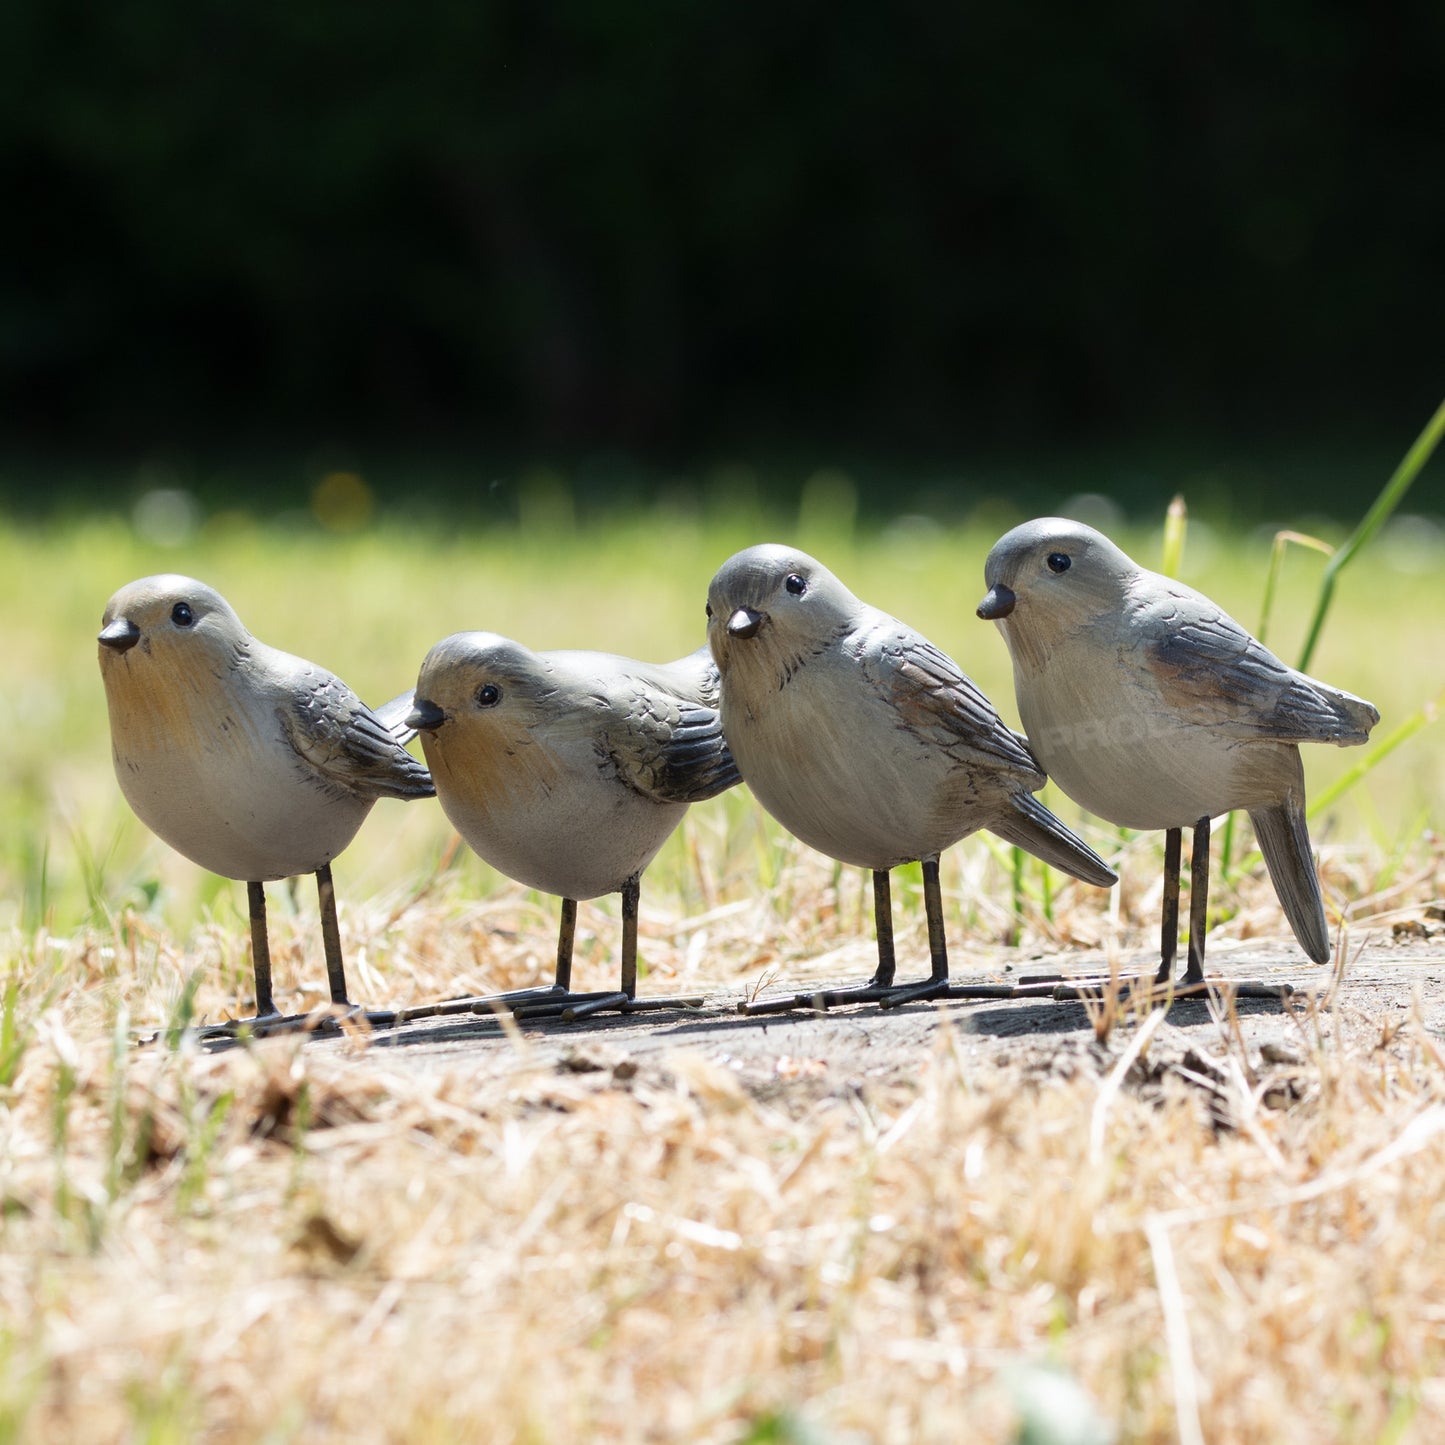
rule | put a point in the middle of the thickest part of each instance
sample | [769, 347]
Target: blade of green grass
[1282, 540]
[1390, 497]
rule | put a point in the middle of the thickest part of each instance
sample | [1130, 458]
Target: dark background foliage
[918, 230]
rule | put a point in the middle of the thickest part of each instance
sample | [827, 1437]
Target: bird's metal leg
[627, 994]
[883, 928]
[557, 1000]
[566, 938]
[933, 908]
[335, 967]
[879, 987]
[1169, 926]
[631, 893]
[882, 989]
[331, 935]
[1192, 980]
[937, 985]
[260, 950]
[1198, 903]
[267, 1020]
[260, 967]
[1168, 934]
[1191, 983]
[560, 1001]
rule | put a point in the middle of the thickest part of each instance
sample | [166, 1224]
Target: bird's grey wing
[937, 700]
[344, 741]
[668, 748]
[1209, 667]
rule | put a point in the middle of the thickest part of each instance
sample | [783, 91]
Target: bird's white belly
[1116, 749]
[846, 778]
[561, 825]
[247, 812]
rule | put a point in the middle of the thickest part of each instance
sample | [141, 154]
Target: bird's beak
[744, 623]
[120, 635]
[998, 603]
[425, 717]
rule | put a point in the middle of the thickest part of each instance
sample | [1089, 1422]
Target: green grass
[369, 606]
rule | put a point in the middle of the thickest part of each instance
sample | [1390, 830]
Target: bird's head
[479, 697]
[170, 625]
[771, 605]
[1052, 576]
[474, 679]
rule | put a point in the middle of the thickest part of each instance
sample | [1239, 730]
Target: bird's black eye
[488, 695]
[796, 585]
[1059, 561]
[181, 614]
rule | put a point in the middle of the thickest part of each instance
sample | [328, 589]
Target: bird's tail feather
[392, 716]
[1034, 829]
[698, 666]
[1285, 842]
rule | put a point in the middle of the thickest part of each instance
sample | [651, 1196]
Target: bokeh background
[949, 252]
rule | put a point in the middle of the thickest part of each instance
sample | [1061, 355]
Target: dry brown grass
[292, 1241]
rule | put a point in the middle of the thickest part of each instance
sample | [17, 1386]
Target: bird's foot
[1151, 990]
[886, 996]
[510, 1001]
[573, 1007]
[330, 1019]
[544, 1002]
[550, 1001]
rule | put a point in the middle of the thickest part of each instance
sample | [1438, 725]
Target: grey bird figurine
[1150, 707]
[567, 771]
[869, 744]
[250, 762]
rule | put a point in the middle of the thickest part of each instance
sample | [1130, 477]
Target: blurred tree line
[666, 226]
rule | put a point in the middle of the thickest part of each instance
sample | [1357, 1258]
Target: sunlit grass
[285, 1243]
[369, 607]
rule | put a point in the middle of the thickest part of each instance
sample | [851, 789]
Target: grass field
[274, 1245]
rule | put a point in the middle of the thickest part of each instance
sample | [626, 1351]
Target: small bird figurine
[869, 744]
[1150, 707]
[250, 762]
[567, 771]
